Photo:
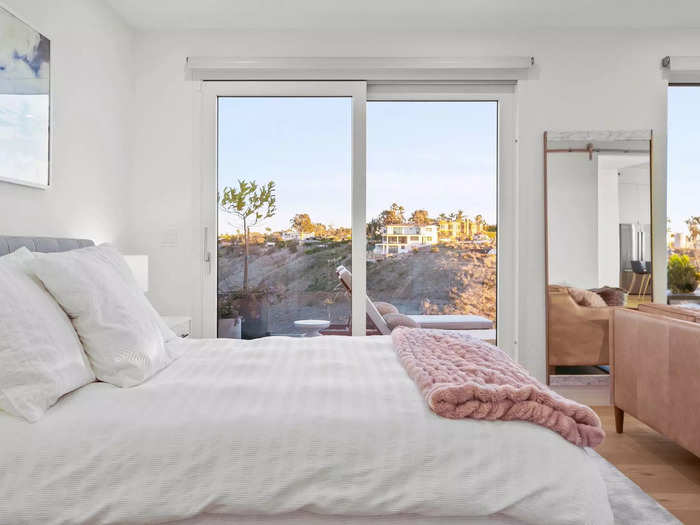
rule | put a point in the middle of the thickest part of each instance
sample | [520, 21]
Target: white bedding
[327, 425]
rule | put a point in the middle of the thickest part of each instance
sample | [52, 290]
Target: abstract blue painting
[25, 103]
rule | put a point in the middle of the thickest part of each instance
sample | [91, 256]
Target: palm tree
[694, 228]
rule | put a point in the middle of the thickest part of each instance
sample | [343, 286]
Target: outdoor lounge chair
[443, 322]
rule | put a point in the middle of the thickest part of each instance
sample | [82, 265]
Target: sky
[439, 156]
[683, 146]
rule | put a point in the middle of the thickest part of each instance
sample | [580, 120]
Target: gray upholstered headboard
[9, 244]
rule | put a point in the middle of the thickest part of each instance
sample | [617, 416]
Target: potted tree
[251, 204]
[229, 324]
[682, 275]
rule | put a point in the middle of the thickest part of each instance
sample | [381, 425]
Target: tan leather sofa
[677, 312]
[656, 373]
[577, 335]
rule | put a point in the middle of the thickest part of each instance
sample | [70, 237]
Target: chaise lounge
[384, 316]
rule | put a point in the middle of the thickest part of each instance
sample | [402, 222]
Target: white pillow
[41, 357]
[122, 334]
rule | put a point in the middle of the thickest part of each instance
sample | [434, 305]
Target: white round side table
[311, 327]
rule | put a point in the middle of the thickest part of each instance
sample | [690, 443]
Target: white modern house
[680, 241]
[400, 238]
[293, 235]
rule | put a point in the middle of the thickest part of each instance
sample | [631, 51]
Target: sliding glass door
[683, 191]
[284, 225]
[432, 183]
[287, 199]
[277, 206]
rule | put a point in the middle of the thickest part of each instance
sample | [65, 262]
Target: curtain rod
[359, 68]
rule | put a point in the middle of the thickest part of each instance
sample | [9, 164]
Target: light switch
[169, 238]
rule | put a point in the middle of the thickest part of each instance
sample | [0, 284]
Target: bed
[286, 430]
[328, 425]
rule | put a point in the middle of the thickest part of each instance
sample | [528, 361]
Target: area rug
[630, 504]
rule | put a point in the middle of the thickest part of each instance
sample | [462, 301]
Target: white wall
[608, 227]
[582, 80]
[634, 194]
[91, 55]
[572, 197]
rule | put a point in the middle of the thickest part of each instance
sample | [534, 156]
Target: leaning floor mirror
[598, 243]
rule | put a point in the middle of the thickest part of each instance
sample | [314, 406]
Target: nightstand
[181, 325]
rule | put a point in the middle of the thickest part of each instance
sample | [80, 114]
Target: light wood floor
[633, 301]
[664, 470]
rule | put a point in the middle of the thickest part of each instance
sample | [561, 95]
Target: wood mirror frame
[590, 137]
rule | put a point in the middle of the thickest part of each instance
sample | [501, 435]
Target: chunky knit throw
[461, 376]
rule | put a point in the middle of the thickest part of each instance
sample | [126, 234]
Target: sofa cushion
[386, 308]
[453, 322]
[612, 296]
[394, 320]
[587, 298]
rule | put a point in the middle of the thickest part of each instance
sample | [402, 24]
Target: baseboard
[579, 380]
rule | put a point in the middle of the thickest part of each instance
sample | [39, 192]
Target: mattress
[279, 428]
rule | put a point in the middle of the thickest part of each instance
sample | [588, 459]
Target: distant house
[400, 238]
[681, 241]
[678, 241]
[454, 230]
[293, 235]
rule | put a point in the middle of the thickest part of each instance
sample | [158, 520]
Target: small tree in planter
[229, 325]
[250, 204]
[682, 276]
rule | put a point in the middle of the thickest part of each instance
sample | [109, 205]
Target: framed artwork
[25, 103]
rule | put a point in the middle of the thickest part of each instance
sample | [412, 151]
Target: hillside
[456, 278]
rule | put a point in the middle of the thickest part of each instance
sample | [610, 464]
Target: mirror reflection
[598, 220]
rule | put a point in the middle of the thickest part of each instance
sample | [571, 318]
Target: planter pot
[230, 328]
[255, 313]
[254, 328]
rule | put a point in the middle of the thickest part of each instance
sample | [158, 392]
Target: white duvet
[328, 425]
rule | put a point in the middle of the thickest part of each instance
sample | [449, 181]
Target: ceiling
[428, 15]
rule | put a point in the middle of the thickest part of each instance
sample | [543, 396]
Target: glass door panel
[284, 214]
[432, 193]
[683, 190]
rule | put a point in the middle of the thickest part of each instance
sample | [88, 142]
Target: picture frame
[26, 103]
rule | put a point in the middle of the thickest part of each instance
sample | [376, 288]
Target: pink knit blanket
[461, 376]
